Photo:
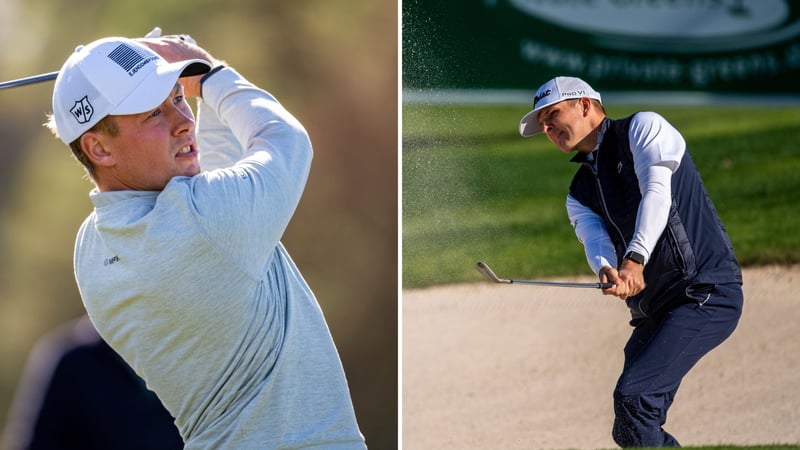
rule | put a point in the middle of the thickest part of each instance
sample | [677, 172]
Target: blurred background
[332, 64]
[724, 72]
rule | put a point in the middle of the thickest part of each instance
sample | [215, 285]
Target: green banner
[726, 46]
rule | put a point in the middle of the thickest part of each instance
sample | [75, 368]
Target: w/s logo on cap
[130, 58]
[82, 110]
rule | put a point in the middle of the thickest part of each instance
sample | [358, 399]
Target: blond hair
[106, 125]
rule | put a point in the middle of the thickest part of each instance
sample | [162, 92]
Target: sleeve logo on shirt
[112, 260]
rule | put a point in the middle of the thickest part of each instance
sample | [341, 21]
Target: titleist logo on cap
[539, 97]
[130, 58]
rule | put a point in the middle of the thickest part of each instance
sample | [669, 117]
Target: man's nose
[183, 119]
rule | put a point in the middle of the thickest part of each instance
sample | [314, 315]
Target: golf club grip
[566, 284]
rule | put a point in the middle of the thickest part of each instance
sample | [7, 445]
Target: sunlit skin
[149, 150]
[152, 147]
[572, 125]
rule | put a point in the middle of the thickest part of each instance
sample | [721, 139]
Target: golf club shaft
[489, 273]
[52, 75]
[29, 80]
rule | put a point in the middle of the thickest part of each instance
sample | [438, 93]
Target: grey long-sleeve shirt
[192, 286]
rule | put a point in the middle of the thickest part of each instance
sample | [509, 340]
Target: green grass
[473, 189]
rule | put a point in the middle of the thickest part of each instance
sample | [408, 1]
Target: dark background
[493, 44]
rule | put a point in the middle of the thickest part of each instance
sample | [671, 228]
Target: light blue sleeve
[218, 147]
[257, 158]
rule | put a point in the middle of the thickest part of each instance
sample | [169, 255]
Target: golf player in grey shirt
[182, 271]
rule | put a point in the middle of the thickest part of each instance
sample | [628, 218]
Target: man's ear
[586, 103]
[94, 146]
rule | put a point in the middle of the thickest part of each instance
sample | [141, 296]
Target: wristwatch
[635, 257]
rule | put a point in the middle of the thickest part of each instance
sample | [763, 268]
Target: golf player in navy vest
[639, 207]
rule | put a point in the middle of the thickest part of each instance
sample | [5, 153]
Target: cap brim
[195, 67]
[529, 125]
[157, 85]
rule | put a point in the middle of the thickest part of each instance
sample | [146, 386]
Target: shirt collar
[601, 132]
[590, 157]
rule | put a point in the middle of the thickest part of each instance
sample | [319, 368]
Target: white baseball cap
[552, 92]
[113, 76]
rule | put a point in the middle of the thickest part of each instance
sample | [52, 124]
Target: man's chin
[565, 149]
[191, 168]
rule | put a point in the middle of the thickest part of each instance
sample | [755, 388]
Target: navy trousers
[660, 352]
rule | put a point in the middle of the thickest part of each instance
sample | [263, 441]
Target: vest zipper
[603, 205]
